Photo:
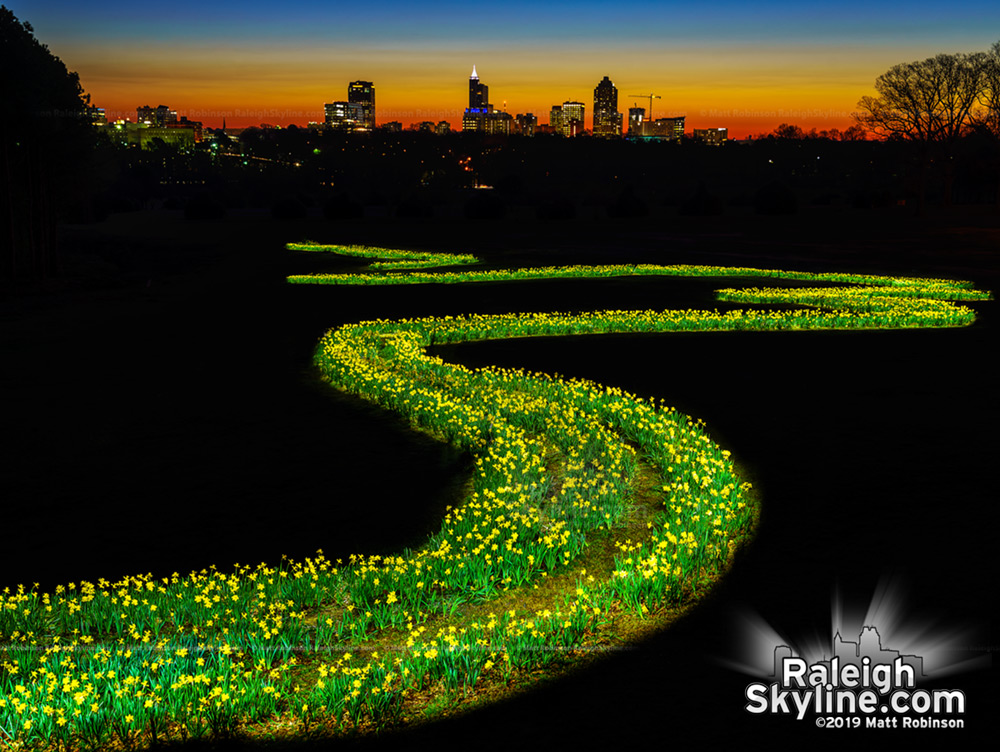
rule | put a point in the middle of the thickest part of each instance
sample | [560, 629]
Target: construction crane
[650, 97]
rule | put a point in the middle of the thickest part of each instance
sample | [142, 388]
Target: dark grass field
[162, 415]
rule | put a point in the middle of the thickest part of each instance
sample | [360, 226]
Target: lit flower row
[393, 259]
[142, 659]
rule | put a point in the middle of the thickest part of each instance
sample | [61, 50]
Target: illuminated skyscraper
[567, 118]
[96, 115]
[526, 124]
[161, 116]
[479, 94]
[636, 121]
[573, 110]
[607, 119]
[556, 118]
[711, 136]
[668, 129]
[344, 116]
[479, 115]
[363, 93]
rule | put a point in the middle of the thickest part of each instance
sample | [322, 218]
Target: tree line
[936, 104]
[45, 144]
[937, 100]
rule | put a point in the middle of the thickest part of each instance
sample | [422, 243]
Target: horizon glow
[744, 68]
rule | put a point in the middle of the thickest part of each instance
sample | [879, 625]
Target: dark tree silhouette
[933, 100]
[988, 120]
[989, 97]
[933, 103]
[45, 134]
[855, 133]
[791, 132]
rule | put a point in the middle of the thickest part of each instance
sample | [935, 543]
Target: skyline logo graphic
[861, 683]
[870, 682]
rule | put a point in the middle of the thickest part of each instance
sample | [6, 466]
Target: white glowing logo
[882, 628]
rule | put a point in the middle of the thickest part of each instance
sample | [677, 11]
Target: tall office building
[567, 118]
[479, 93]
[162, 116]
[607, 119]
[526, 124]
[667, 129]
[96, 115]
[344, 116]
[357, 113]
[480, 115]
[711, 136]
[556, 118]
[636, 121]
[363, 93]
[573, 110]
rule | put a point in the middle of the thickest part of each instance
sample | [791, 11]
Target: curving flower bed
[335, 646]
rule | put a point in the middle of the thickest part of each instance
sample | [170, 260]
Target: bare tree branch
[988, 113]
[933, 100]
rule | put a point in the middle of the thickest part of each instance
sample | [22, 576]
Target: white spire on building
[474, 75]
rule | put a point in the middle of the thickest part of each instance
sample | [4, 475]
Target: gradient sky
[748, 67]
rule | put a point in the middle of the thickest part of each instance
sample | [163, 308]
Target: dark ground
[163, 416]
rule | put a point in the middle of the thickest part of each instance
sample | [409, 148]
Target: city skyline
[741, 68]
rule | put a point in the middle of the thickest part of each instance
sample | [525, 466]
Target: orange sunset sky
[744, 67]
